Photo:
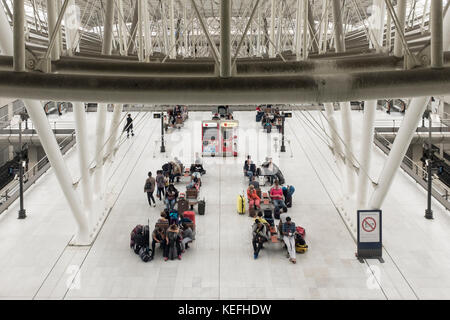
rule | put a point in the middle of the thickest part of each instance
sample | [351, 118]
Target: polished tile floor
[36, 261]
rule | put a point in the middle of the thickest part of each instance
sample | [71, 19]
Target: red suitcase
[301, 231]
[190, 215]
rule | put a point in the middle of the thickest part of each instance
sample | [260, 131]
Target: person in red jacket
[276, 194]
[253, 198]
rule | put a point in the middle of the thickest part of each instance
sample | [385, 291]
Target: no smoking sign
[369, 234]
[369, 224]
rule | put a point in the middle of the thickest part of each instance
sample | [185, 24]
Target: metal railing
[440, 191]
[11, 192]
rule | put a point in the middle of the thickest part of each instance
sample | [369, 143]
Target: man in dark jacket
[129, 126]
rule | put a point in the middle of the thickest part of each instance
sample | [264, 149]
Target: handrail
[440, 191]
[11, 192]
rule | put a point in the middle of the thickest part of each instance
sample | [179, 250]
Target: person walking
[149, 188]
[129, 126]
[161, 184]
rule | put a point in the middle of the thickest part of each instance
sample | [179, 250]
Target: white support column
[366, 153]
[71, 26]
[173, 52]
[123, 33]
[52, 17]
[388, 33]
[113, 131]
[348, 150]
[258, 36]
[272, 28]
[398, 150]
[83, 159]
[48, 141]
[339, 42]
[99, 150]
[401, 15]
[329, 108]
[376, 25]
[164, 26]
[324, 28]
[185, 31]
[141, 54]
[298, 30]
[305, 19]
[147, 33]
[108, 28]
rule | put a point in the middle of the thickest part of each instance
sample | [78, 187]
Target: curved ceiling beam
[236, 90]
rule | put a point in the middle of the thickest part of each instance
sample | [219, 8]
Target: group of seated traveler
[172, 231]
[173, 169]
[276, 194]
[261, 234]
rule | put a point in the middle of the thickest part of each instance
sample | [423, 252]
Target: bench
[165, 226]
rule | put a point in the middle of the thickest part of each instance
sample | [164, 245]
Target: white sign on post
[369, 227]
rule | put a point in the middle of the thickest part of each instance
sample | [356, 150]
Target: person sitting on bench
[253, 199]
[276, 194]
[159, 236]
[264, 222]
[188, 236]
[288, 232]
[254, 183]
[249, 169]
[163, 218]
[259, 233]
[173, 240]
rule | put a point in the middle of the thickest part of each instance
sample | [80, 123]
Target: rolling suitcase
[301, 231]
[190, 215]
[183, 205]
[252, 211]
[277, 213]
[201, 207]
[241, 204]
[267, 214]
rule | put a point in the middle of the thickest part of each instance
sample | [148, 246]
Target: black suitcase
[267, 214]
[277, 213]
[201, 207]
[269, 129]
[280, 177]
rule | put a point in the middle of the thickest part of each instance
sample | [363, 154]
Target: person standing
[161, 184]
[129, 126]
[171, 197]
[149, 188]
[289, 238]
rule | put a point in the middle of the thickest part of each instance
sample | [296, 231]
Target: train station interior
[224, 150]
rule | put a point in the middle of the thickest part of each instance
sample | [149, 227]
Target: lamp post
[163, 147]
[283, 147]
[22, 214]
[428, 211]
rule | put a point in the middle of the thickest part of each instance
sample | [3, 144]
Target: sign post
[369, 236]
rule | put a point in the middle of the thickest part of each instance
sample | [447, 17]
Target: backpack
[144, 254]
[139, 238]
[137, 230]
